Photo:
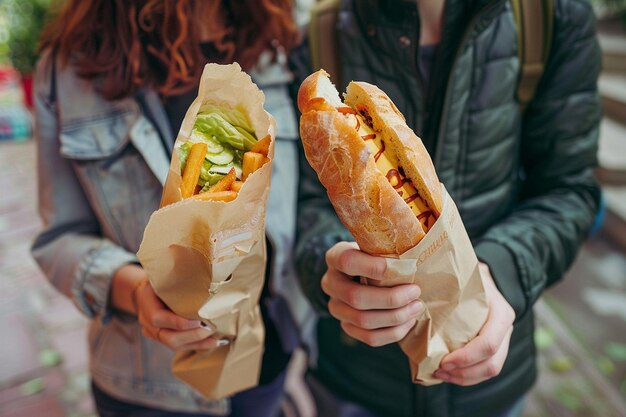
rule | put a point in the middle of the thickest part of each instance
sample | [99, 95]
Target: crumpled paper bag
[444, 265]
[206, 260]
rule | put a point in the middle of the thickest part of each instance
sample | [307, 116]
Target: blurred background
[581, 322]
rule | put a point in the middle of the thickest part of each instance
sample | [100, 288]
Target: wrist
[135, 292]
[125, 287]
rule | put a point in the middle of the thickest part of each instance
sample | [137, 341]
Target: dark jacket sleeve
[538, 241]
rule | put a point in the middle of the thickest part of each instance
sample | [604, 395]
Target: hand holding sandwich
[374, 315]
[483, 357]
[131, 291]
[411, 240]
[378, 316]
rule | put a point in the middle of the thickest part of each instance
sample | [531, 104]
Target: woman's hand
[376, 316]
[483, 357]
[131, 291]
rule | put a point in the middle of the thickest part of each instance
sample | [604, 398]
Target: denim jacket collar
[81, 107]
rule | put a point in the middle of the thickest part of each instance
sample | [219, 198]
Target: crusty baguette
[409, 149]
[378, 218]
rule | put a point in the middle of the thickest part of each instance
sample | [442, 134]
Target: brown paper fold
[206, 260]
[445, 267]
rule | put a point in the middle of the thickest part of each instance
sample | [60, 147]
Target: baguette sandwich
[377, 172]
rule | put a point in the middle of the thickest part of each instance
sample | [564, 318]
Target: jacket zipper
[446, 102]
[418, 401]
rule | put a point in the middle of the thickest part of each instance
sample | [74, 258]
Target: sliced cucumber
[212, 178]
[224, 169]
[222, 158]
[214, 146]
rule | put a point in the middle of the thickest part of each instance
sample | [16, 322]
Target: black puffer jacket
[524, 185]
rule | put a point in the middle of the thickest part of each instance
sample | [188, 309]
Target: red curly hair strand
[122, 45]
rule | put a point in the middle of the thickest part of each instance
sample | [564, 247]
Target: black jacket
[523, 183]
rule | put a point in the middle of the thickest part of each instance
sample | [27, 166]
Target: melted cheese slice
[387, 164]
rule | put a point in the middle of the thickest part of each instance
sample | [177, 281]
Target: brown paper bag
[206, 260]
[445, 267]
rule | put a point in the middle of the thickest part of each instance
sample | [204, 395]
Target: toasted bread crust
[406, 145]
[378, 218]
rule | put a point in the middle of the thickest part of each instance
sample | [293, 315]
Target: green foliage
[569, 397]
[32, 386]
[544, 338]
[21, 22]
[561, 364]
[50, 358]
[616, 351]
[605, 365]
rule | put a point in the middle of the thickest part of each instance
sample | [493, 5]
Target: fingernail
[208, 327]
[448, 366]
[223, 342]
[209, 330]
[414, 292]
[442, 375]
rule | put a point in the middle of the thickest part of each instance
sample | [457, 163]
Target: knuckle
[155, 320]
[198, 335]
[344, 261]
[328, 257]
[399, 333]
[465, 358]
[324, 283]
[493, 369]
[353, 297]
[379, 268]
[179, 323]
[390, 298]
[376, 268]
[398, 317]
[362, 320]
[462, 380]
[396, 298]
[490, 348]
[371, 340]
[333, 308]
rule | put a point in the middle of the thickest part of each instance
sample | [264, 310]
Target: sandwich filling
[387, 163]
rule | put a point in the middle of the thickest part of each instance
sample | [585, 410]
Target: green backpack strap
[323, 43]
[535, 24]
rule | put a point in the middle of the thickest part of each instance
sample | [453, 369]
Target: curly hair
[123, 45]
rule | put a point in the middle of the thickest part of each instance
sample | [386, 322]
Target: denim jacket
[101, 167]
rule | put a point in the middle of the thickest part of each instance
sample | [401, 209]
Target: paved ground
[43, 345]
[43, 349]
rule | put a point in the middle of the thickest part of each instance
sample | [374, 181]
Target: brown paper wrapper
[445, 267]
[206, 260]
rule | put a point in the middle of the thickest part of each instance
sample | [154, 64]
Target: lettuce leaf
[183, 153]
[235, 116]
[215, 125]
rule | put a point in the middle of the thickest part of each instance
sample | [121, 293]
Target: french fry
[225, 183]
[191, 172]
[262, 146]
[225, 196]
[251, 162]
[236, 186]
